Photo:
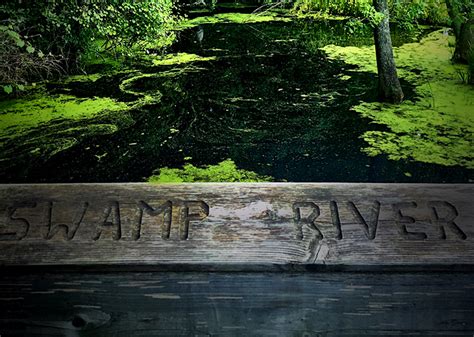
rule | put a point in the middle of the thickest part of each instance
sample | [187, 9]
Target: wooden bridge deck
[237, 260]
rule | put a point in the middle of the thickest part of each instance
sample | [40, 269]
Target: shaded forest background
[41, 40]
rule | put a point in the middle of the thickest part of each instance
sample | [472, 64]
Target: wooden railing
[238, 226]
[237, 260]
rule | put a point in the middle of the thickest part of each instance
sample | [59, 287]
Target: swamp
[231, 92]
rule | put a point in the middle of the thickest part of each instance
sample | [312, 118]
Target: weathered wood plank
[241, 225]
[237, 304]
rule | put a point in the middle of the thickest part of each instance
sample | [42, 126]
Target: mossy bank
[435, 126]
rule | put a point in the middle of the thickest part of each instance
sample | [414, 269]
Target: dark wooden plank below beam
[241, 225]
[237, 304]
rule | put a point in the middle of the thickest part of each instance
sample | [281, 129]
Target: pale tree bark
[389, 85]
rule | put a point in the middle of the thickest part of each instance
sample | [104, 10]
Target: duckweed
[435, 127]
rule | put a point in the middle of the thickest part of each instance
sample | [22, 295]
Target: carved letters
[165, 209]
[112, 222]
[369, 226]
[67, 231]
[187, 215]
[187, 211]
[447, 220]
[439, 214]
[173, 220]
[19, 225]
[403, 220]
[107, 222]
[310, 220]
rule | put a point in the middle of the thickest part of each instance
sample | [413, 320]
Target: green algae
[214, 108]
[320, 16]
[54, 141]
[42, 126]
[180, 58]
[435, 127]
[136, 84]
[240, 18]
[18, 116]
[83, 78]
[417, 62]
[235, 5]
[127, 87]
[225, 171]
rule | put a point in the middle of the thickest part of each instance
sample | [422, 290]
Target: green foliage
[407, 12]
[339, 7]
[79, 30]
[129, 24]
[225, 171]
[21, 62]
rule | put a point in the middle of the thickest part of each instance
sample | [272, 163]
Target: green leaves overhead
[41, 38]
[406, 12]
[74, 27]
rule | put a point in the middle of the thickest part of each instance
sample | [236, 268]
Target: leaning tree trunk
[389, 85]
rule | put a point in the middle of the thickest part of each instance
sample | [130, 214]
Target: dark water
[270, 101]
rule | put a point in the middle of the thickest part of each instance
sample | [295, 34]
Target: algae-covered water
[257, 98]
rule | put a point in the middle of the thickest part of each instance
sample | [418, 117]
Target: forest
[170, 91]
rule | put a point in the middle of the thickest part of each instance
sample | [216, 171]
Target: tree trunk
[455, 16]
[467, 35]
[389, 85]
[464, 43]
[462, 21]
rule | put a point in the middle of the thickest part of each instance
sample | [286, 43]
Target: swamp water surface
[260, 94]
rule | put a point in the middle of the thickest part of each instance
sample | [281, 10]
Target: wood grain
[242, 225]
[237, 304]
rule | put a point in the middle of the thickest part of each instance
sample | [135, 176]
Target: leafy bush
[410, 12]
[74, 28]
[20, 62]
[407, 12]
[129, 24]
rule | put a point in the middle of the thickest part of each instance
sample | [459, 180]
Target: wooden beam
[244, 225]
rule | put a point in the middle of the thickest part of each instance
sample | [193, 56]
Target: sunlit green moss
[438, 127]
[233, 18]
[418, 62]
[180, 58]
[138, 84]
[19, 116]
[225, 171]
[127, 87]
[320, 16]
[83, 78]
[235, 5]
[44, 126]
[51, 142]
